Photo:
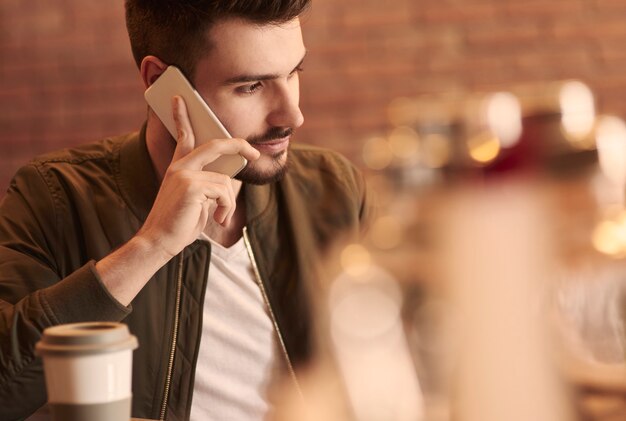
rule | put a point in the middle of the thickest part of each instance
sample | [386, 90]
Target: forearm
[127, 270]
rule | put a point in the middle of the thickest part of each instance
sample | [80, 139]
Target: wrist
[126, 271]
[152, 248]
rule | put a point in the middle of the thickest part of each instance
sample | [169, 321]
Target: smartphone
[204, 123]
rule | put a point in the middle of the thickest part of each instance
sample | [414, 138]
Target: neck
[161, 148]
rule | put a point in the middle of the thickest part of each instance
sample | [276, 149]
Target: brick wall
[67, 75]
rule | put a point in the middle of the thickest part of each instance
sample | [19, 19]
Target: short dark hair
[174, 30]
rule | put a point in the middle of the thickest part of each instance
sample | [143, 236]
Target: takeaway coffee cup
[88, 372]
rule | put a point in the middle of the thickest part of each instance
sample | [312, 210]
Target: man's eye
[249, 89]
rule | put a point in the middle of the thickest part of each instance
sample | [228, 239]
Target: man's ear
[150, 69]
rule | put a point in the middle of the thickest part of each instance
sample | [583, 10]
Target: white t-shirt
[238, 346]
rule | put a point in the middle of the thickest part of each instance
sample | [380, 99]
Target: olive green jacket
[65, 211]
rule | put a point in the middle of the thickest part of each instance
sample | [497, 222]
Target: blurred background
[67, 76]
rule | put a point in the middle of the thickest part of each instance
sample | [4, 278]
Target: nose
[286, 108]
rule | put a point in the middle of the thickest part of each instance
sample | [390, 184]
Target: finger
[219, 194]
[225, 207]
[209, 152]
[227, 203]
[197, 181]
[220, 215]
[185, 138]
[209, 187]
[233, 197]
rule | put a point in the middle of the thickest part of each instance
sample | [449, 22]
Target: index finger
[209, 152]
[185, 137]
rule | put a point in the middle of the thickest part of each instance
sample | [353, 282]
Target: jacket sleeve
[367, 210]
[33, 294]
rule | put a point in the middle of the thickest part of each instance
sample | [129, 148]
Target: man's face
[250, 80]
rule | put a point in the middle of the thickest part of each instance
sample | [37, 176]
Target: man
[209, 273]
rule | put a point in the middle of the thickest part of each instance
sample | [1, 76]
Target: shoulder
[71, 171]
[318, 164]
[309, 154]
[94, 160]
[327, 190]
[326, 179]
[102, 150]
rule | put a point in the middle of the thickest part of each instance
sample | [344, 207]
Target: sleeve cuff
[82, 297]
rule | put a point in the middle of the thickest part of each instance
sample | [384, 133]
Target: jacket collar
[137, 179]
[258, 201]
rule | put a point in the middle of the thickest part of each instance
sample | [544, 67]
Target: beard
[278, 165]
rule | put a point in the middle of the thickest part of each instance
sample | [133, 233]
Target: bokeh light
[404, 143]
[366, 310]
[436, 150]
[609, 237]
[386, 233]
[578, 114]
[483, 147]
[371, 348]
[503, 114]
[377, 153]
[611, 143]
[355, 260]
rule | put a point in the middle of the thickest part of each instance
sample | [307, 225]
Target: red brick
[610, 5]
[438, 13]
[375, 17]
[588, 29]
[542, 9]
[502, 36]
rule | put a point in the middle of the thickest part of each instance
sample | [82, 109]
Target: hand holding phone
[204, 122]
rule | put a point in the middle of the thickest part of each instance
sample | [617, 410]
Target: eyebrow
[255, 78]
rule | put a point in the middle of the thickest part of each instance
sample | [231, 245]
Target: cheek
[243, 118]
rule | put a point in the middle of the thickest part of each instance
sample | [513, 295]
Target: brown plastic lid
[85, 339]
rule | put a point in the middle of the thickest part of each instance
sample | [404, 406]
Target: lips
[272, 146]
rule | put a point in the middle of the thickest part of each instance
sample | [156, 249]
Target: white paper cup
[88, 370]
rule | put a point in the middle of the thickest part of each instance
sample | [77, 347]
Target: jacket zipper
[261, 285]
[170, 366]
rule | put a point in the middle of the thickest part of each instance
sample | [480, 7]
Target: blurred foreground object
[370, 345]
[496, 239]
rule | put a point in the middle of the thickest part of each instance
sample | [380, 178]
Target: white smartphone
[204, 123]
